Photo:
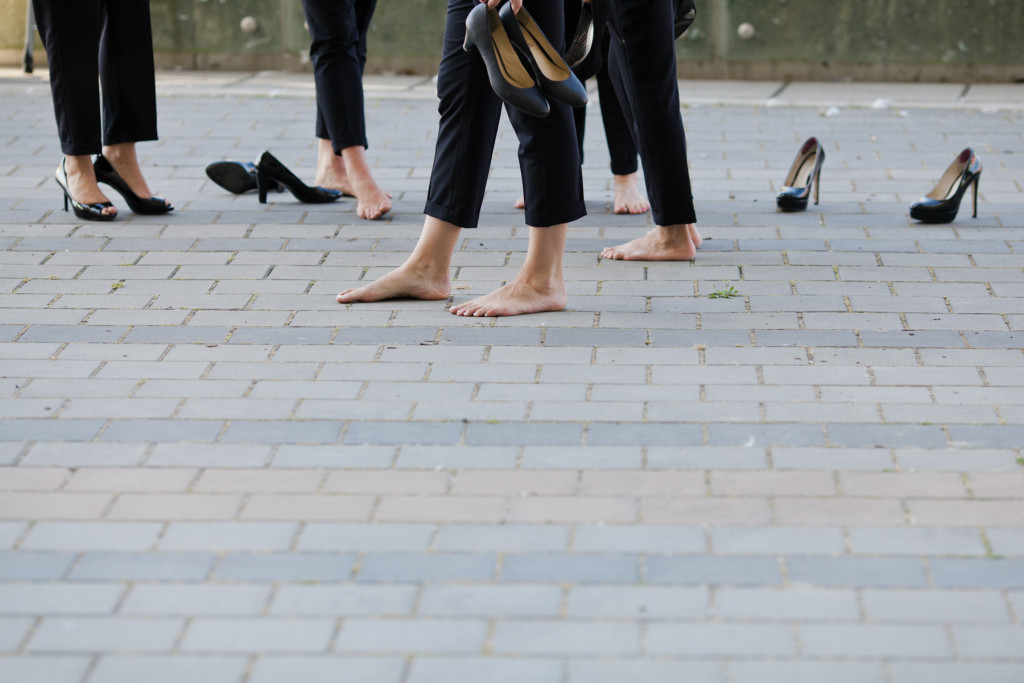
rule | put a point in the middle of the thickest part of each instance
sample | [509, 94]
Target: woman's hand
[516, 4]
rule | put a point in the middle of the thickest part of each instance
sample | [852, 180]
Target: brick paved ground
[211, 472]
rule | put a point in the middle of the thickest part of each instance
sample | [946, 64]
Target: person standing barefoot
[552, 182]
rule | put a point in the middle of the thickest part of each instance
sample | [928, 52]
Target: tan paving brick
[994, 513]
[837, 512]
[640, 484]
[308, 508]
[439, 509]
[903, 484]
[772, 484]
[384, 482]
[491, 482]
[170, 507]
[27, 506]
[997, 485]
[549, 509]
[711, 511]
[127, 479]
[32, 478]
[257, 481]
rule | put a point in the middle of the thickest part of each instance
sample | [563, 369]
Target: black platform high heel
[943, 202]
[106, 174]
[270, 171]
[89, 212]
[550, 71]
[509, 78]
[805, 172]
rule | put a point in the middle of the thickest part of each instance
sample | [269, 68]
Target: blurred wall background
[887, 40]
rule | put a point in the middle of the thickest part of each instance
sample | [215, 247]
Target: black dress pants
[338, 51]
[642, 66]
[470, 112]
[621, 149]
[111, 40]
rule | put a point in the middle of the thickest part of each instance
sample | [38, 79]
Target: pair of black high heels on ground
[941, 205]
[266, 174]
[523, 68]
[106, 174]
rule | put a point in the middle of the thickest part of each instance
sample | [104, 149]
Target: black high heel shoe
[508, 77]
[89, 212]
[550, 71]
[805, 172]
[270, 171]
[942, 203]
[583, 54]
[234, 176]
[106, 174]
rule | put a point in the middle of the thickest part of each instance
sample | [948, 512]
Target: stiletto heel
[805, 172]
[106, 174]
[550, 71]
[270, 172]
[89, 212]
[943, 203]
[508, 77]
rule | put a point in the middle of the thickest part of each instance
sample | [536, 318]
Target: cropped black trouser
[621, 148]
[642, 67]
[111, 40]
[338, 51]
[470, 112]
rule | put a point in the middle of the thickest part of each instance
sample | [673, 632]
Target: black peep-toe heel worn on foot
[509, 79]
[106, 174]
[89, 212]
[942, 203]
[552, 74]
[270, 171]
[805, 172]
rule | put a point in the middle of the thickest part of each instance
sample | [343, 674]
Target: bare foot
[82, 183]
[515, 298]
[673, 243]
[404, 282]
[371, 201]
[519, 203]
[627, 195]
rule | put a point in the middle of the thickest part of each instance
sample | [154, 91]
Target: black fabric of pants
[470, 112]
[338, 51]
[621, 148]
[642, 66]
[111, 40]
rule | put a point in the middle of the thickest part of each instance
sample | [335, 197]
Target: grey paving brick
[33, 566]
[228, 536]
[412, 635]
[786, 604]
[856, 571]
[876, 541]
[720, 639]
[806, 672]
[777, 541]
[344, 600]
[637, 602]
[368, 538]
[13, 631]
[98, 566]
[574, 568]
[124, 669]
[400, 432]
[978, 573]
[433, 567]
[285, 567]
[162, 430]
[191, 599]
[57, 430]
[588, 457]
[44, 668]
[648, 539]
[954, 460]
[112, 536]
[108, 634]
[1007, 542]
[951, 672]
[207, 454]
[493, 670]
[281, 431]
[54, 598]
[501, 538]
[328, 669]
[656, 671]
[876, 641]
[708, 457]
[935, 606]
[255, 635]
[491, 600]
[538, 434]
[547, 638]
[713, 571]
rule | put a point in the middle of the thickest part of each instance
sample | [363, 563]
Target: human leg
[621, 147]
[338, 51]
[642, 69]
